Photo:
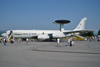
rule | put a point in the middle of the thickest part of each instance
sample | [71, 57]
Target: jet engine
[60, 34]
[43, 37]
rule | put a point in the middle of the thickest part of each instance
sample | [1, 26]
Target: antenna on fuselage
[61, 22]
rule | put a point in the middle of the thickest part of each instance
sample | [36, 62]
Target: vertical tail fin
[81, 25]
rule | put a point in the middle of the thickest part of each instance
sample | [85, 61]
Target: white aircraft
[47, 34]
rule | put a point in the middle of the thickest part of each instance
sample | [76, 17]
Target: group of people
[70, 42]
[93, 39]
[12, 40]
[5, 40]
[19, 40]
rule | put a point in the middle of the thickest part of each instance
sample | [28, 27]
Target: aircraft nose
[3, 34]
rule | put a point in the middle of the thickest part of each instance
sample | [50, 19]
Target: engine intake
[43, 37]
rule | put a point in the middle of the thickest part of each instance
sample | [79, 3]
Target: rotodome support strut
[61, 22]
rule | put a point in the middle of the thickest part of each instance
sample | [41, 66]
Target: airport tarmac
[46, 54]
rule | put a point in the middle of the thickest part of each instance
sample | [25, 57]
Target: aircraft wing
[78, 31]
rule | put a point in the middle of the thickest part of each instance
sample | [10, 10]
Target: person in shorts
[58, 40]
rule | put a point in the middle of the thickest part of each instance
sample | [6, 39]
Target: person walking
[13, 40]
[4, 40]
[27, 40]
[58, 40]
[72, 42]
[68, 42]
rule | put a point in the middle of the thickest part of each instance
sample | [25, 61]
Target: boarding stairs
[10, 37]
[78, 37]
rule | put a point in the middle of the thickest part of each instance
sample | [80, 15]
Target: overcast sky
[40, 14]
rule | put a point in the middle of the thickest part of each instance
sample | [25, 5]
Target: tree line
[90, 34]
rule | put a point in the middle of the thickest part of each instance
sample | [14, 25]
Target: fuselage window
[25, 33]
[33, 33]
[29, 33]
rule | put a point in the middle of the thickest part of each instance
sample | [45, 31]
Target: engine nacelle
[43, 37]
[60, 34]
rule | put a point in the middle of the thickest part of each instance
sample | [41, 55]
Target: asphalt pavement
[46, 54]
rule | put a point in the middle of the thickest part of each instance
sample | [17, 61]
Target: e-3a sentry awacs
[48, 34]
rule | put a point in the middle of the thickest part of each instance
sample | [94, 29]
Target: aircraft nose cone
[3, 34]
